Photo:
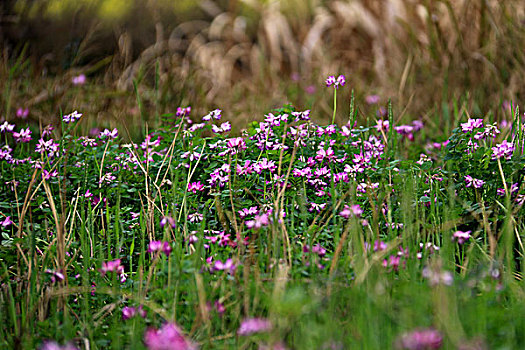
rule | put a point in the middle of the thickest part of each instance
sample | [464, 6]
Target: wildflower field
[289, 235]
[262, 174]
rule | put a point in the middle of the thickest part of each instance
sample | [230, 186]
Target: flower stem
[335, 105]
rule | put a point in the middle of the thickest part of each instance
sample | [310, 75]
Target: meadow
[292, 235]
[262, 175]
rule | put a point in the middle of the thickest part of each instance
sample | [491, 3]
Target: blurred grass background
[144, 58]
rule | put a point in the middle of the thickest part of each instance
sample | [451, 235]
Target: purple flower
[248, 211]
[393, 261]
[195, 186]
[382, 125]
[236, 145]
[301, 115]
[168, 337]
[380, 246]
[421, 340]
[113, 266]
[275, 120]
[254, 325]
[6, 222]
[225, 127]
[472, 182]
[355, 209]
[49, 146]
[471, 124]
[418, 125]
[461, 236]
[183, 111]
[317, 249]
[405, 130]
[258, 221]
[264, 164]
[46, 175]
[216, 114]
[55, 275]
[195, 217]
[504, 149]
[167, 220]
[155, 246]
[130, 312]
[6, 127]
[23, 136]
[71, 118]
[109, 134]
[22, 113]
[331, 80]
[223, 266]
[79, 79]
[52, 345]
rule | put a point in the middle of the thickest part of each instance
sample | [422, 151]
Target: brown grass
[240, 56]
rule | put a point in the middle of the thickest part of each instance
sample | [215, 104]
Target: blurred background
[128, 62]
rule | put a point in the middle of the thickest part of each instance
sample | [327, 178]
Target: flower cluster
[114, 266]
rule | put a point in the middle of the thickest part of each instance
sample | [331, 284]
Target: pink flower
[472, 182]
[351, 210]
[216, 114]
[6, 127]
[183, 111]
[393, 261]
[503, 150]
[195, 217]
[23, 136]
[225, 127]
[195, 186]
[155, 246]
[223, 266]
[382, 125]
[168, 220]
[55, 275]
[331, 80]
[6, 222]
[22, 113]
[461, 236]
[130, 312]
[380, 245]
[421, 340]
[52, 345]
[109, 134]
[254, 325]
[113, 266]
[168, 337]
[405, 130]
[236, 144]
[71, 118]
[471, 124]
[79, 79]
[317, 249]
[259, 221]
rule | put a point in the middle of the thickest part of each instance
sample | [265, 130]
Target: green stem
[503, 178]
[335, 105]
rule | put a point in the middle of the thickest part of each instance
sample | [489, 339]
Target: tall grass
[214, 54]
